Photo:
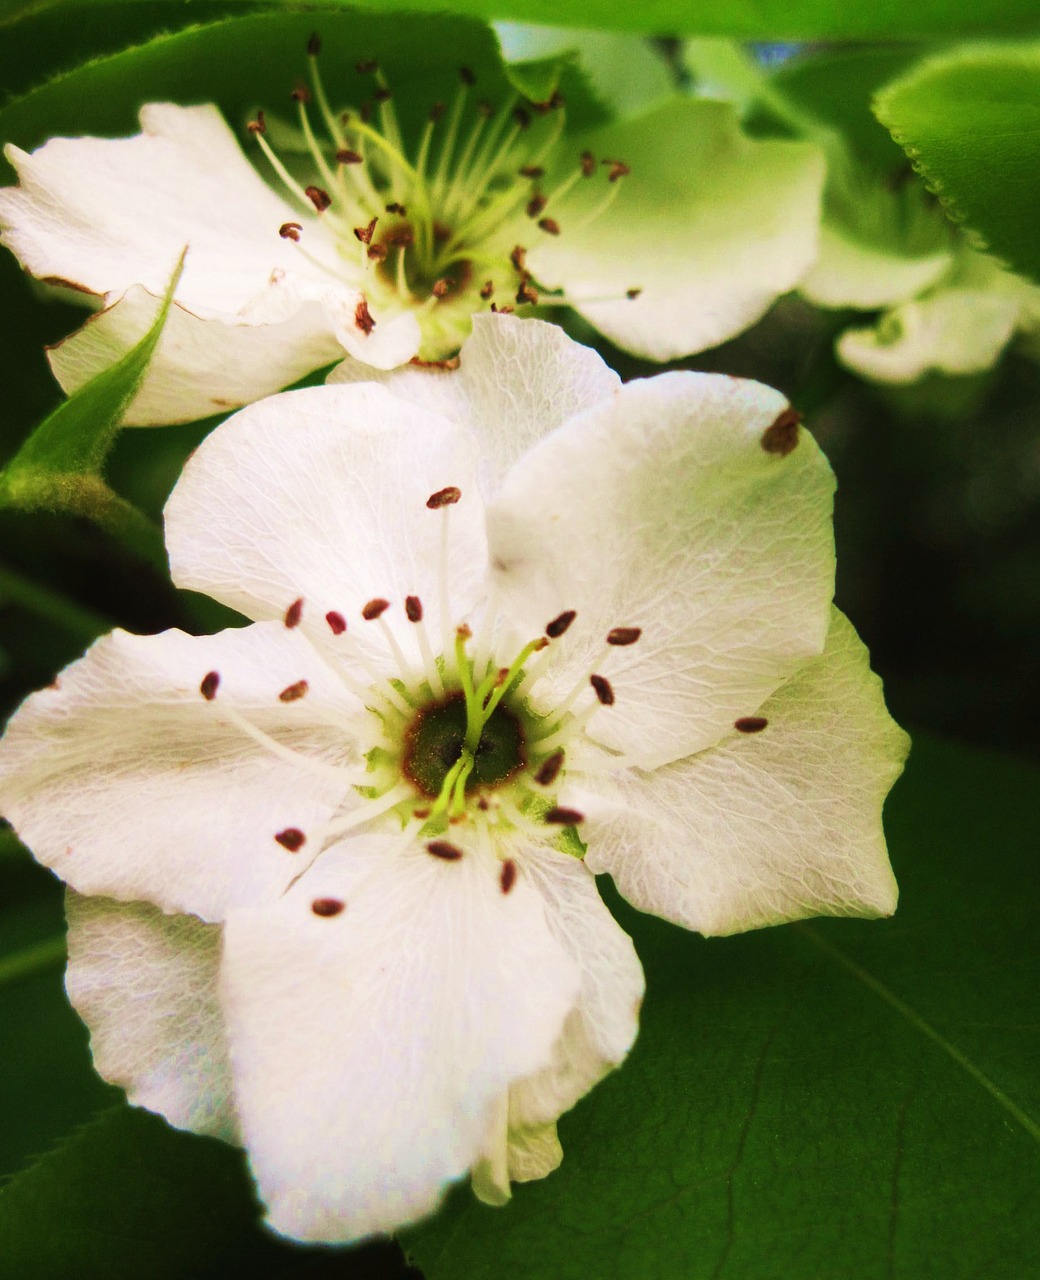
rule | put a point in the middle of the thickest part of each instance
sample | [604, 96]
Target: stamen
[559, 625]
[750, 724]
[604, 691]
[444, 849]
[337, 622]
[782, 436]
[369, 809]
[294, 613]
[503, 688]
[624, 635]
[364, 234]
[632, 294]
[290, 231]
[413, 608]
[294, 692]
[444, 497]
[507, 876]
[414, 612]
[550, 226]
[374, 609]
[210, 684]
[340, 772]
[564, 817]
[363, 317]
[292, 838]
[549, 770]
[327, 906]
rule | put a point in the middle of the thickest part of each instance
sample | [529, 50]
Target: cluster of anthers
[452, 741]
[436, 232]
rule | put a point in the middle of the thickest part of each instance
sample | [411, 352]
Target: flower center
[435, 743]
[433, 228]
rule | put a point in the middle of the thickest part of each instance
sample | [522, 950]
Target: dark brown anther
[377, 252]
[521, 117]
[467, 76]
[441, 233]
[364, 234]
[413, 608]
[603, 689]
[294, 692]
[363, 317]
[290, 231]
[588, 164]
[441, 288]
[210, 684]
[318, 197]
[782, 436]
[564, 817]
[464, 631]
[550, 226]
[632, 294]
[346, 156]
[394, 207]
[443, 849]
[366, 66]
[487, 289]
[501, 311]
[259, 125]
[549, 770]
[518, 257]
[526, 294]
[314, 44]
[327, 906]
[437, 112]
[294, 613]
[559, 625]
[536, 204]
[485, 109]
[337, 622]
[531, 171]
[292, 838]
[622, 636]
[444, 497]
[365, 112]
[557, 101]
[375, 609]
[618, 169]
[301, 93]
[449, 363]
[422, 814]
[750, 724]
[382, 94]
[344, 118]
[507, 876]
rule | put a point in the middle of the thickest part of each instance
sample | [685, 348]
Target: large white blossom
[331, 874]
[670, 232]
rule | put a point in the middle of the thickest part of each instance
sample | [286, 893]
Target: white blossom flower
[378, 246]
[332, 873]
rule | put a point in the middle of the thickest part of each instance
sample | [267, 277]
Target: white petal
[664, 510]
[513, 1155]
[107, 213]
[768, 826]
[321, 495]
[201, 366]
[517, 381]
[711, 226]
[852, 273]
[127, 782]
[370, 1047]
[602, 1027]
[955, 331]
[146, 986]
[392, 341]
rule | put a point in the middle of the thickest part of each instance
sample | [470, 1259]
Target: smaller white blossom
[333, 892]
[375, 242]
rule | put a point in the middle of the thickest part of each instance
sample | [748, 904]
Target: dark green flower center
[436, 739]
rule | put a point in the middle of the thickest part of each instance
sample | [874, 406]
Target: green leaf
[840, 1099]
[969, 122]
[57, 468]
[764, 20]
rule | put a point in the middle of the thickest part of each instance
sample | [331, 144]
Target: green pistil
[486, 711]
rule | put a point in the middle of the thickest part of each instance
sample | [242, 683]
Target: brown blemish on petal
[294, 692]
[449, 364]
[507, 876]
[327, 906]
[292, 839]
[782, 436]
[210, 683]
[750, 724]
[294, 613]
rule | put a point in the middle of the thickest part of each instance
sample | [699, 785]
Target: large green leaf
[969, 122]
[763, 20]
[824, 1102]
